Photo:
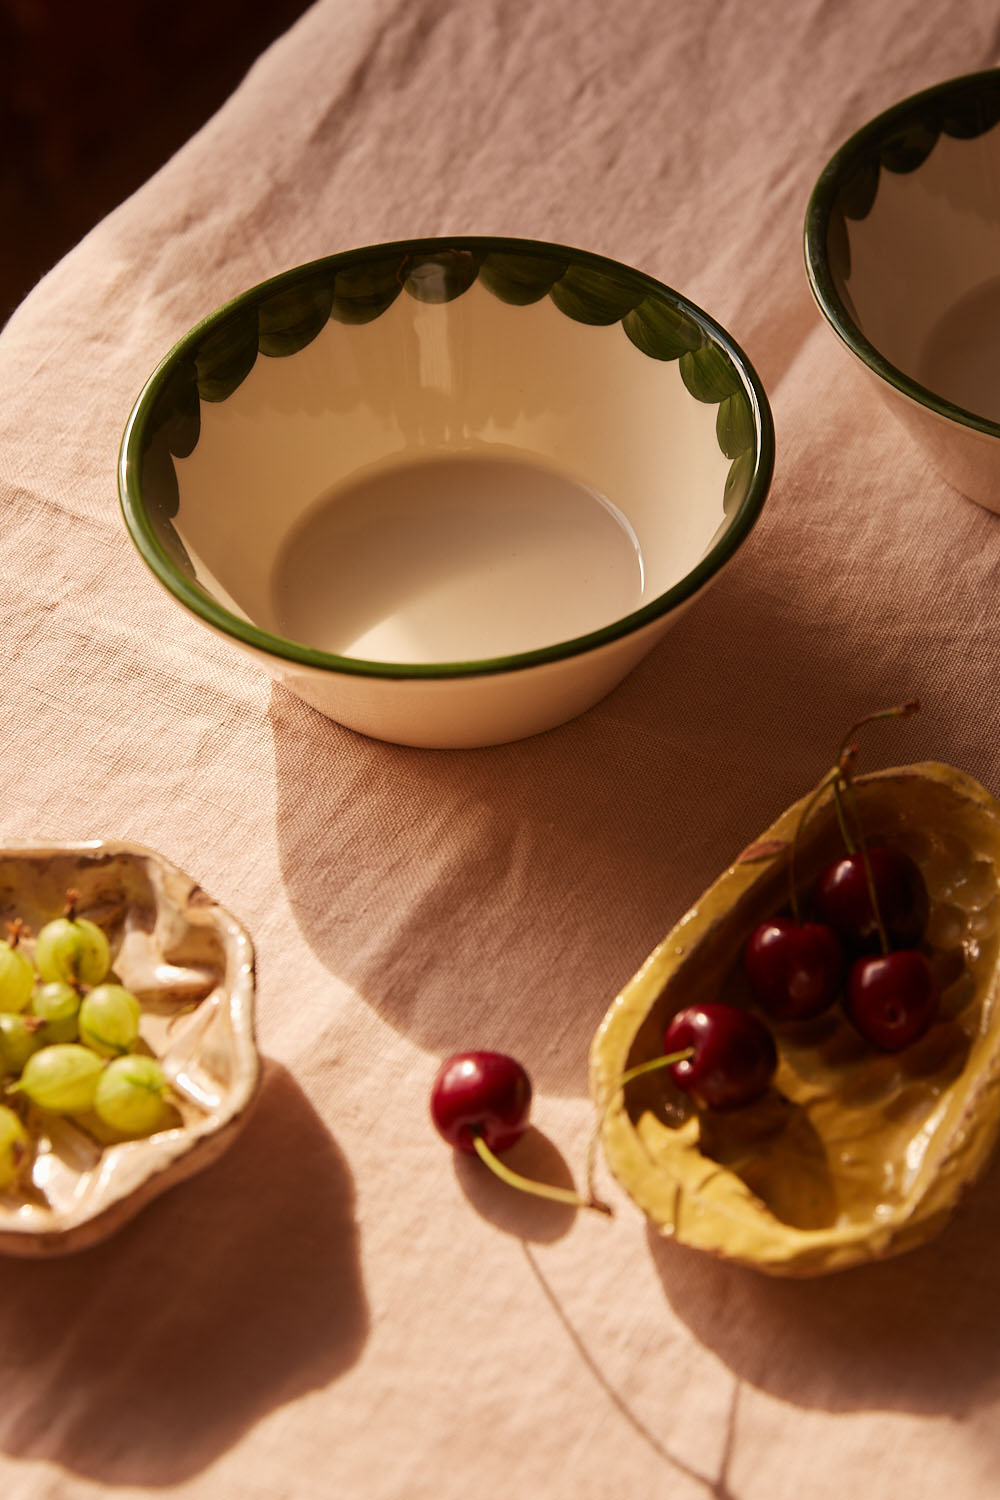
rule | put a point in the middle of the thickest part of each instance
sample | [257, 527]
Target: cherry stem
[793, 885]
[652, 1065]
[863, 850]
[835, 779]
[844, 768]
[640, 1069]
[528, 1185]
[900, 711]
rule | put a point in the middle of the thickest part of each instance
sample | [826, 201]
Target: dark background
[95, 95]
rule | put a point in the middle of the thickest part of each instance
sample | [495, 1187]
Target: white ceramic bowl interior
[450, 491]
[902, 248]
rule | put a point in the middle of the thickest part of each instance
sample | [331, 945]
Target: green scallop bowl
[450, 491]
[902, 252]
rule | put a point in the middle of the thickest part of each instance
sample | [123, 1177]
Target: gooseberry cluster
[67, 1034]
[859, 945]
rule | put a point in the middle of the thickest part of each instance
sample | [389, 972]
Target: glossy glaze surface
[448, 461]
[902, 244]
[477, 557]
[855, 1153]
[191, 966]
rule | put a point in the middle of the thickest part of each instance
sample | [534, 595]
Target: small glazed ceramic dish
[191, 966]
[450, 491]
[902, 247]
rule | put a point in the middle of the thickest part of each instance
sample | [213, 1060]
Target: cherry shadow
[715, 1486]
[531, 1219]
[146, 1357]
[916, 1333]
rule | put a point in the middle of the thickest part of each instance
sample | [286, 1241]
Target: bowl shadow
[915, 1333]
[147, 1356]
[416, 875]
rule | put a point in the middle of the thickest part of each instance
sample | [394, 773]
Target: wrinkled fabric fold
[337, 1306]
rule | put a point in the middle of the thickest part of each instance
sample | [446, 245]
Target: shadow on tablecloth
[449, 888]
[915, 1333]
[501, 897]
[141, 1360]
[530, 1219]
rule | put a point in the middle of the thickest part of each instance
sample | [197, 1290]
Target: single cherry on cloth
[843, 900]
[795, 970]
[480, 1102]
[893, 998]
[733, 1056]
[481, 1094]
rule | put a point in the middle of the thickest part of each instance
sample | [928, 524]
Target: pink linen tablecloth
[337, 1308]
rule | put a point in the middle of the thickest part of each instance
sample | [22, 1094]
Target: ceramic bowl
[902, 246]
[449, 491]
[191, 965]
[854, 1153]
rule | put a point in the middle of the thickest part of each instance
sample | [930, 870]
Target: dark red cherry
[795, 969]
[481, 1093]
[842, 899]
[734, 1056]
[893, 998]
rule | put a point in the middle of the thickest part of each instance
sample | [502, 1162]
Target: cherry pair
[797, 969]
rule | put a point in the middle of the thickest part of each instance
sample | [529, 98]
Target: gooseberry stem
[528, 1185]
[15, 930]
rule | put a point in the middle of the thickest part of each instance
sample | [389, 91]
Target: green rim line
[880, 146]
[601, 291]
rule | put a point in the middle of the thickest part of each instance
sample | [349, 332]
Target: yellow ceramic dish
[855, 1154]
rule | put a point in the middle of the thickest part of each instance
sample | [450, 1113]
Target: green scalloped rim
[282, 315]
[899, 140]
